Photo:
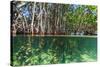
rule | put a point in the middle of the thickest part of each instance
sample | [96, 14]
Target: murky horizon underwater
[39, 50]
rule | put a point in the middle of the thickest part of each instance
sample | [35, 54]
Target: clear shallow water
[35, 50]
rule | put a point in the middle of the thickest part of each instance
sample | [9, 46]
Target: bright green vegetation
[53, 18]
[44, 19]
[36, 50]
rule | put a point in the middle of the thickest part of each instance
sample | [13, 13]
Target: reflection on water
[34, 50]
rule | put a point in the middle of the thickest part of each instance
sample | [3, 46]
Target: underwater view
[36, 50]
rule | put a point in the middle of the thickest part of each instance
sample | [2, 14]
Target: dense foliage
[52, 18]
[35, 18]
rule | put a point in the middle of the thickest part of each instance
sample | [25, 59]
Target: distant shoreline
[89, 36]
